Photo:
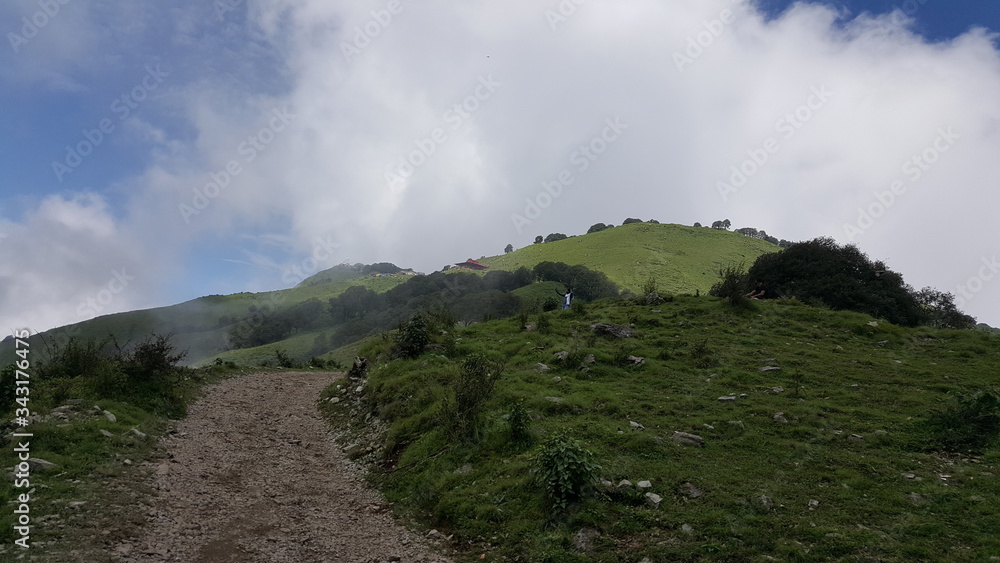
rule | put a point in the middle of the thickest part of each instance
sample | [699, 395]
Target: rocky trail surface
[253, 475]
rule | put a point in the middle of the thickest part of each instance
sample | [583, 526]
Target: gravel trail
[252, 475]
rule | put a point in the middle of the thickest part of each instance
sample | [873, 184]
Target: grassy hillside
[823, 457]
[683, 259]
[201, 325]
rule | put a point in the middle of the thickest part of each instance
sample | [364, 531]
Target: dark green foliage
[969, 423]
[555, 236]
[649, 286]
[940, 310]
[282, 359]
[507, 281]
[519, 423]
[522, 321]
[73, 359]
[8, 387]
[466, 297]
[733, 286]
[538, 239]
[477, 377]
[843, 277]
[585, 283]
[381, 268]
[144, 374]
[412, 337]
[631, 220]
[320, 345]
[565, 470]
[550, 304]
[544, 324]
[354, 303]
[703, 356]
[598, 227]
[264, 326]
[508, 249]
[152, 358]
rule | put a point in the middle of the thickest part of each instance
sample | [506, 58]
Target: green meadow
[825, 456]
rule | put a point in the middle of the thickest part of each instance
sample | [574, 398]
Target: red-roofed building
[471, 264]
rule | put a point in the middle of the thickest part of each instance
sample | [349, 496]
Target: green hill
[201, 325]
[816, 442]
[682, 259]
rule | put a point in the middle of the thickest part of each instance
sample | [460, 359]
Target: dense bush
[733, 286]
[412, 337]
[586, 284]
[565, 470]
[842, 277]
[519, 423]
[381, 268]
[144, 374]
[476, 380]
[968, 423]
[940, 311]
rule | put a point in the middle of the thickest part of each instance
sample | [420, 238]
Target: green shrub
[968, 423]
[282, 358]
[474, 386]
[550, 304]
[733, 286]
[519, 423]
[703, 356]
[565, 470]
[649, 286]
[522, 321]
[412, 337]
[544, 324]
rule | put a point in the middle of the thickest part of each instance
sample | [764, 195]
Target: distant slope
[681, 258]
[201, 326]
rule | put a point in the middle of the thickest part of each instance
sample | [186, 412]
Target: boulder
[688, 439]
[653, 500]
[616, 331]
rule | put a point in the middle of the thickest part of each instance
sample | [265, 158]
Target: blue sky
[936, 20]
[425, 133]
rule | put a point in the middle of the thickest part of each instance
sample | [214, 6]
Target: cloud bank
[304, 133]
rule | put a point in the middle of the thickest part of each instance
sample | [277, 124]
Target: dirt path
[253, 475]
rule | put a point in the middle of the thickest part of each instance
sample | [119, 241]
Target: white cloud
[67, 262]
[323, 173]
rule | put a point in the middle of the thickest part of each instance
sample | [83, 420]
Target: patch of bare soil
[253, 475]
